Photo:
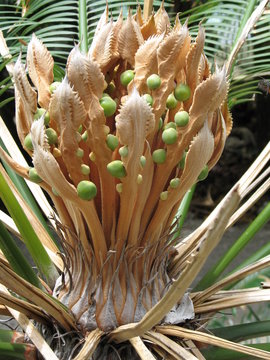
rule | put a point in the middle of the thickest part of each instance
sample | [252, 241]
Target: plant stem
[32, 242]
[183, 210]
[83, 38]
[16, 259]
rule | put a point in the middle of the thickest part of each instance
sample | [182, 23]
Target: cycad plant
[136, 121]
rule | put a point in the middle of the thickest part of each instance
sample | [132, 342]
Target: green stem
[15, 257]
[243, 332]
[23, 189]
[83, 38]
[31, 240]
[14, 351]
[214, 353]
[214, 273]
[183, 210]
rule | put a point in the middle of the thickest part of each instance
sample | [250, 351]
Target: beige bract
[119, 164]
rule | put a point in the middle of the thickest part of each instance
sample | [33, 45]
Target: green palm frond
[223, 22]
[56, 24]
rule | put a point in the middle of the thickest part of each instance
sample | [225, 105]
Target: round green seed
[117, 169]
[85, 169]
[51, 136]
[126, 77]
[112, 142]
[148, 98]
[171, 102]
[119, 188]
[139, 179]
[80, 152]
[182, 92]
[170, 125]
[85, 136]
[28, 142]
[204, 173]
[55, 191]
[108, 105]
[92, 156]
[86, 190]
[123, 151]
[153, 82]
[39, 113]
[54, 86]
[181, 118]
[164, 195]
[159, 156]
[160, 124]
[169, 136]
[80, 129]
[174, 183]
[33, 175]
[143, 161]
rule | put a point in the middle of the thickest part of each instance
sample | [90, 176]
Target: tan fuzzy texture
[85, 76]
[104, 51]
[26, 100]
[134, 123]
[130, 39]
[40, 67]
[146, 62]
[193, 61]
[162, 20]
[149, 27]
[68, 111]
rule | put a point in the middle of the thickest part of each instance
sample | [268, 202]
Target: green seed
[169, 136]
[164, 195]
[108, 105]
[160, 124]
[117, 169]
[171, 102]
[182, 161]
[143, 161]
[174, 183]
[139, 179]
[112, 142]
[126, 77]
[86, 190]
[92, 156]
[52, 136]
[80, 129]
[85, 136]
[55, 191]
[170, 125]
[105, 95]
[182, 92]
[181, 118]
[123, 151]
[33, 175]
[28, 142]
[54, 86]
[119, 188]
[153, 82]
[85, 169]
[148, 98]
[204, 173]
[39, 113]
[159, 156]
[80, 152]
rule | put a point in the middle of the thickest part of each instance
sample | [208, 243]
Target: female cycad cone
[120, 184]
